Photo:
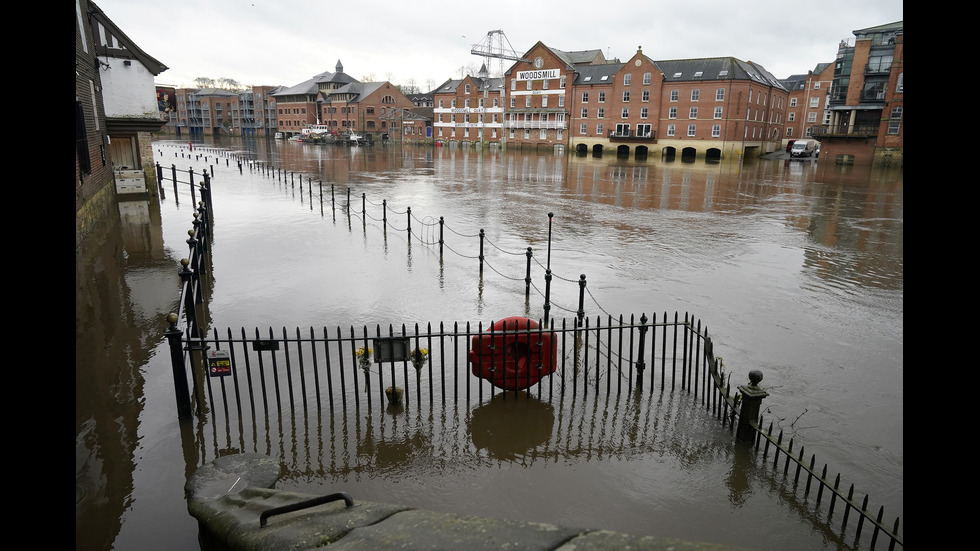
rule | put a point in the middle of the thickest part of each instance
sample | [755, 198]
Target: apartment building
[866, 98]
[809, 102]
[713, 107]
[469, 110]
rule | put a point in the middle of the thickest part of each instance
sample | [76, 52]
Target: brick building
[809, 102]
[469, 110]
[115, 112]
[866, 98]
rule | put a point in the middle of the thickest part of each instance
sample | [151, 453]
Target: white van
[803, 148]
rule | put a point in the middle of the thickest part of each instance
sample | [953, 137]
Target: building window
[544, 101]
[626, 112]
[792, 102]
[529, 85]
[672, 114]
[643, 113]
[561, 101]
[900, 85]
[811, 117]
[622, 129]
[543, 134]
[894, 127]
[582, 130]
[897, 112]
[691, 130]
[527, 101]
[671, 130]
[602, 97]
[791, 117]
[720, 94]
[513, 86]
[718, 112]
[466, 89]
[600, 112]
[646, 95]
[789, 131]
[585, 113]
[598, 129]
[693, 113]
[544, 84]
[644, 130]
[527, 133]
[513, 102]
[562, 85]
[815, 102]
[695, 94]
[627, 78]
[585, 97]
[646, 79]
[626, 95]
[673, 95]
[715, 130]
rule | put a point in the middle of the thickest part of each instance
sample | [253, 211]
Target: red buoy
[515, 354]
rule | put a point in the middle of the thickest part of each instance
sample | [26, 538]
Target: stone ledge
[229, 495]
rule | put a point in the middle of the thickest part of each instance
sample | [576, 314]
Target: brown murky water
[797, 267]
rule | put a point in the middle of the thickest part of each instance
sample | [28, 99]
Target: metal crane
[495, 45]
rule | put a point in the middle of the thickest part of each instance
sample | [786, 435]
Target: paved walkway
[237, 509]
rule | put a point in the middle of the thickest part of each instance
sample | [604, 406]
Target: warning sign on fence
[219, 363]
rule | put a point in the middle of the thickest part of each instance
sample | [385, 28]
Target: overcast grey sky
[284, 42]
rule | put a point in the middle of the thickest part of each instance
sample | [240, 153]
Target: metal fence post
[640, 366]
[527, 276]
[181, 390]
[752, 395]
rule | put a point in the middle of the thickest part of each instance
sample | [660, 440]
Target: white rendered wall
[128, 91]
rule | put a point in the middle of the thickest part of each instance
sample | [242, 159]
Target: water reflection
[797, 266]
[510, 425]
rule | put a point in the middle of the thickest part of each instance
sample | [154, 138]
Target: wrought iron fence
[258, 387]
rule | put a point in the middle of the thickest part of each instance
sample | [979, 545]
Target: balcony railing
[561, 125]
[632, 135]
[862, 131]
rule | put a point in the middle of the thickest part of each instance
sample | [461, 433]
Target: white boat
[355, 139]
[317, 129]
[279, 135]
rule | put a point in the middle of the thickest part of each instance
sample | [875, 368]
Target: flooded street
[796, 267]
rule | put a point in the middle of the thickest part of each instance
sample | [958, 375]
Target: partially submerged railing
[235, 377]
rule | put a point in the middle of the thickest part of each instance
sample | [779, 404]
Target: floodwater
[797, 267]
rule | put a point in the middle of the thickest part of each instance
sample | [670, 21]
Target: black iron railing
[256, 388]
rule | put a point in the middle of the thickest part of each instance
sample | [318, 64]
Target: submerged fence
[257, 387]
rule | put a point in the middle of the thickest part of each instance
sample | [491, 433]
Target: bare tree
[204, 82]
[229, 84]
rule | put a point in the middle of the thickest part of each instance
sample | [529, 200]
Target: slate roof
[596, 74]
[715, 68]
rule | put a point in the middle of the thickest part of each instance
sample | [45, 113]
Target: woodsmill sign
[542, 74]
